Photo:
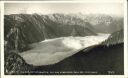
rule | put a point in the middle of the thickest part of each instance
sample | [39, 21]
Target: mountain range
[21, 30]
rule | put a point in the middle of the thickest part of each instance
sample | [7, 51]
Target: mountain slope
[115, 38]
[98, 59]
[35, 28]
[102, 23]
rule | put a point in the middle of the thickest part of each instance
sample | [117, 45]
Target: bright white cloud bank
[54, 50]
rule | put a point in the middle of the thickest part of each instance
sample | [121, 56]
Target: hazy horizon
[50, 8]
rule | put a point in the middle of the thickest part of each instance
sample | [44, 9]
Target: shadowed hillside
[99, 59]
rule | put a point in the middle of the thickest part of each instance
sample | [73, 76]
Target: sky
[48, 8]
[65, 0]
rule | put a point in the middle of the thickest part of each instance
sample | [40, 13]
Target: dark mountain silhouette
[100, 59]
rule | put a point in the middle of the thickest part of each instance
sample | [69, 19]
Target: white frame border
[68, 76]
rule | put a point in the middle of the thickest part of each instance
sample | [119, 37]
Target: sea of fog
[52, 51]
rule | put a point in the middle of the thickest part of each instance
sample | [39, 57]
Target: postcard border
[68, 76]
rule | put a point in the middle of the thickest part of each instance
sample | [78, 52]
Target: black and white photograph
[64, 38]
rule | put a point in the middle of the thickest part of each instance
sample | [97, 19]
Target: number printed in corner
[111, 72]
